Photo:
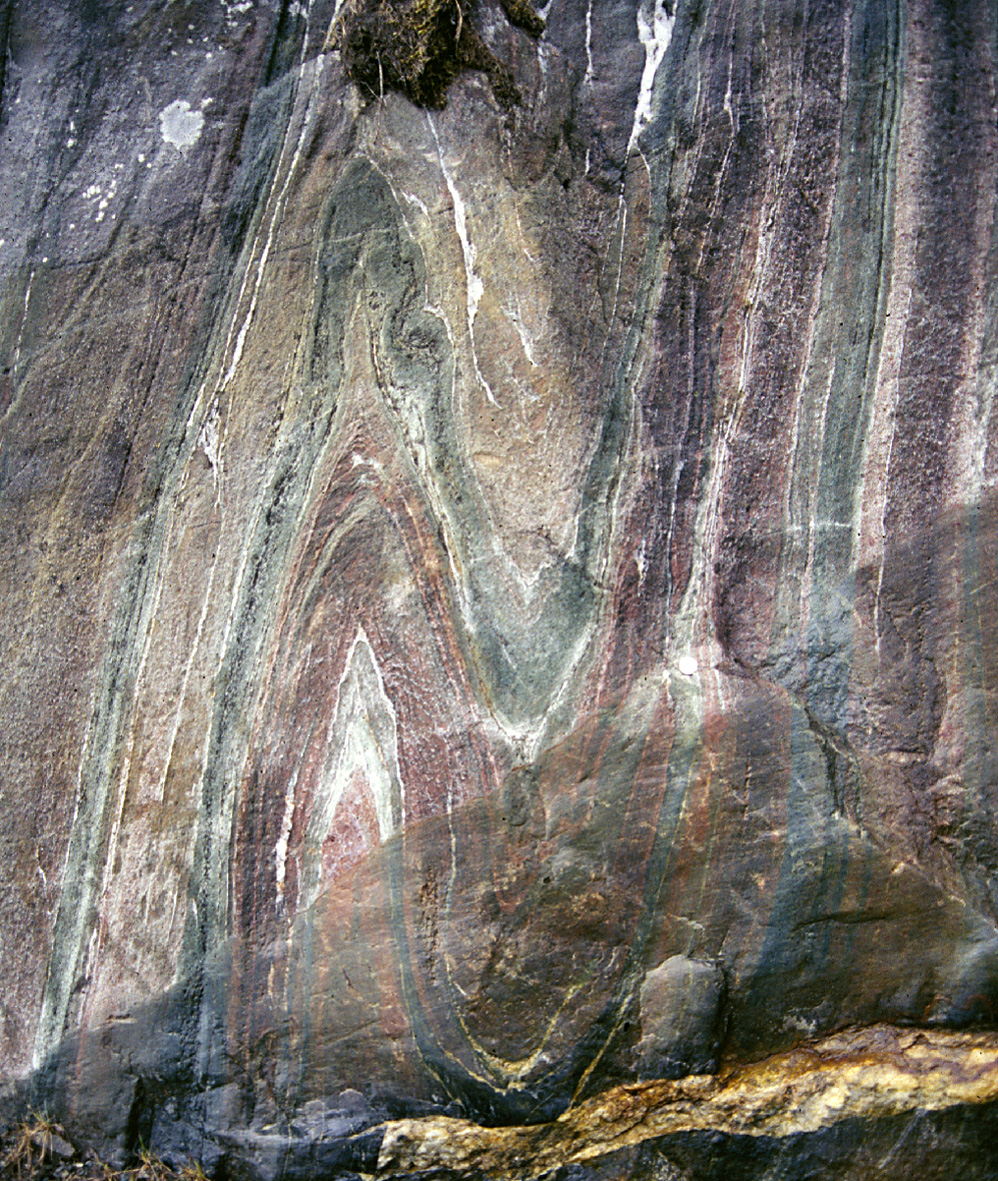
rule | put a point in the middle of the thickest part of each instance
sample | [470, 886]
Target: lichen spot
[179, 125]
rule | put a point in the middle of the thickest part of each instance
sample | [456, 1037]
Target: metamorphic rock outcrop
[499, 586]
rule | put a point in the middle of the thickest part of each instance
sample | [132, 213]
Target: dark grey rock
[682, 1018]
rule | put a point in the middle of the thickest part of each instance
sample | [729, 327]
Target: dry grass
[38, 1150]
[31, 1147]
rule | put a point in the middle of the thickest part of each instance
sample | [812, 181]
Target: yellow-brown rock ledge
[867, 1073]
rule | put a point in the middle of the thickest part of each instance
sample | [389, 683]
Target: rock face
[499, 602]
[681, 1011]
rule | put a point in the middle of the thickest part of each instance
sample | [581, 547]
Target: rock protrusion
[682, 1019]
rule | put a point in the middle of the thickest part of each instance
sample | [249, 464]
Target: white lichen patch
[94, 192]
[180, 125]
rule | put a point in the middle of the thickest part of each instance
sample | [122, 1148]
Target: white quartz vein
[655, 33]
[475, 287]
[587, 80]
[16, 355]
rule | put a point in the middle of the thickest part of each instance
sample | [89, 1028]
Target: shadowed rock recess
[499, 586]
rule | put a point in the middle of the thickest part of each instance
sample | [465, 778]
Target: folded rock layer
[499, 597]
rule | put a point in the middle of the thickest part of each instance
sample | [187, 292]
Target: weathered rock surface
[462, 567]
[681, 1012]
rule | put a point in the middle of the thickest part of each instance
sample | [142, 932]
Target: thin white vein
[693, 626]
[871, 501]
[24, 319]
[281, 848]
[621, 224]
[587, 80]
[16, 355]
[189, 664]
[219, 821]
[275, 218]
[721, 172]
[207, 441]
[810, 491]
[275, 207]
[516, 318]
[474, 285]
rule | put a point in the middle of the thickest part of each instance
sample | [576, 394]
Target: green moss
[418, 47]
[520, 13]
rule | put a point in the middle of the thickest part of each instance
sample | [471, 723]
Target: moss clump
[520, 13]
[418, 47]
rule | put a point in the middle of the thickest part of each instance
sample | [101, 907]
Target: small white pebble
[688, 665]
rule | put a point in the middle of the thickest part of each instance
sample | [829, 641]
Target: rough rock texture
[461, 566]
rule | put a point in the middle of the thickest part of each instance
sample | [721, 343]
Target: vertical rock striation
[499, 599]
